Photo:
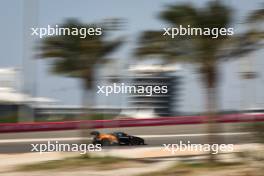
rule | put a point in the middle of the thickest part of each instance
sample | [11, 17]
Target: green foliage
[100, 117]
[74, 56]
[186, 169]
[9, 119]
[257, 128]
[202, 50]
[102, 163]
[58, 118]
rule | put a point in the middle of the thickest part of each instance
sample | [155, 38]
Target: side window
[119, 134]
[124, 134]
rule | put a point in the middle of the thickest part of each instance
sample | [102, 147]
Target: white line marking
[192, 135]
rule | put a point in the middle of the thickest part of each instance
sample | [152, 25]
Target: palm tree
[203, 51]
[76, 56]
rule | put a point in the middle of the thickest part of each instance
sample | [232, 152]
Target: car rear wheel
[106, 142]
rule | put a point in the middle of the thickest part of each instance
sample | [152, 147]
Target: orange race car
[116, 138]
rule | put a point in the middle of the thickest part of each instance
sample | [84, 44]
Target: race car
[116, 138]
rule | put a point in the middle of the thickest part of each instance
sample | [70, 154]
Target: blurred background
[27, 71]
[215, 86]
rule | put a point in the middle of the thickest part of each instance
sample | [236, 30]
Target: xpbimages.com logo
[188, 30]
[55, 146]
[182, 147]
[57, 31]
[146, 90]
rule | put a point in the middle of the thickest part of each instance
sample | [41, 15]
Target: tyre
[105, 142]
[135, 142]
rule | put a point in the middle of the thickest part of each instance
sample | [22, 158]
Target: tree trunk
[88, 100]
[211, 119]
[210, 76]
[87, 103]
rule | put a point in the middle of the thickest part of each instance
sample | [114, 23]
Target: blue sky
[140, 15]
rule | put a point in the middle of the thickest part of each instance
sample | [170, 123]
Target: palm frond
[74, 55]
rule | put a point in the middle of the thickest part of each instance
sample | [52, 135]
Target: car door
[123, 138]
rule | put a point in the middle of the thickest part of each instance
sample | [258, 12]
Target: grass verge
[187, 169]
[93, 163]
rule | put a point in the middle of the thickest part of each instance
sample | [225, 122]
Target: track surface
[154, 136]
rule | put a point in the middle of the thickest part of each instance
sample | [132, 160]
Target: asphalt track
[154, 136]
